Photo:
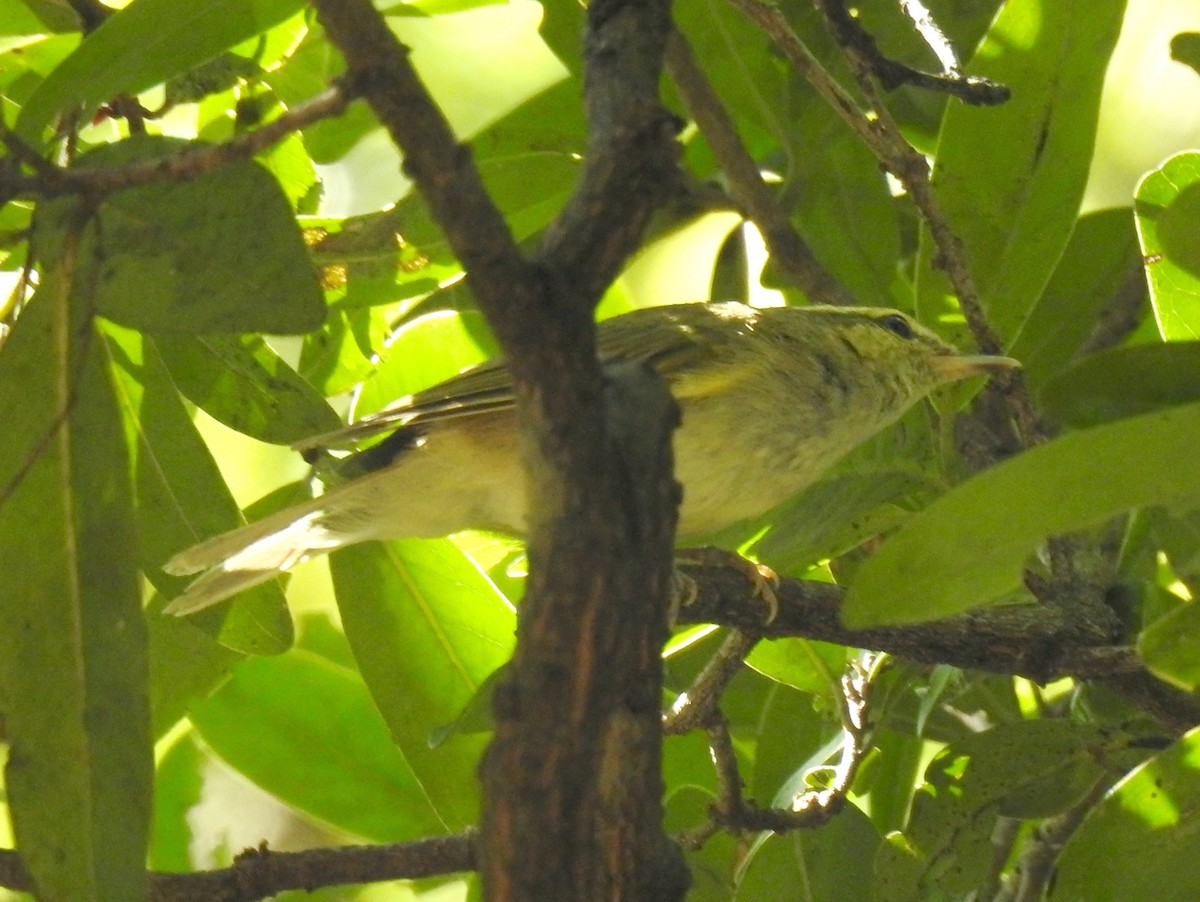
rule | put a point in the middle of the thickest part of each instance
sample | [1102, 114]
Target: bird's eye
[898, 325]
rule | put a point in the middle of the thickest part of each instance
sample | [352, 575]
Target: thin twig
[932, 34]
[880, 132]
[1036, 867]
[810, 808]
[729, 778]
[911, 169]
[776, 25]
[789, 251]
[261, 873]
[855, 734]
[729, 807]
[1004, 835]
[49, 180]
[698, 704]
[892, 73]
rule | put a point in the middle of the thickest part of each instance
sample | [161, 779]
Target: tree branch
[632, 157]
[49, 180]
[1040, 642]
[260, 873]
[810, 808]
[698, 705]
[892, 74]
[1035, 870]
[572, 782]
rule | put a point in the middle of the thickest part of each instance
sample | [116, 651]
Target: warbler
[770, 398]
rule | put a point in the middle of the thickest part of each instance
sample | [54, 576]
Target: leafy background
[254, 305]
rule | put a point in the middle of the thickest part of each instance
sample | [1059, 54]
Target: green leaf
[1170, 647]
[837, 514]
[1027, 769]
[241, 382]
[423, 352]
[427, 628]
[824, 864]
[1185, 48]
[1010, 178]
[1150, 820]
[1100, 258]
[730, 49]
[73, 661]
[179, 784]
[709, 866]
[305, 729]
[181, 499]
[800, 663]
[792, 729]
[306, 71]
[476, 717]
[220, 252]
[188, 663]
[1167, 208]
[170, 39]
[845, 211]
[968, 547]
[479, 63]
[38, 16]
[35, 17]
[1123, 382]
[340, 354]
[1177, 535]
[892, 777]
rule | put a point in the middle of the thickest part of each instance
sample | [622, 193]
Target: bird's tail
[249, 555]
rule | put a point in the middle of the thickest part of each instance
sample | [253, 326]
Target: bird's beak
[960, 366]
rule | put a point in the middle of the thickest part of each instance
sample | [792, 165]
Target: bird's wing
[676, 340]
[687, 344]
[480, 389]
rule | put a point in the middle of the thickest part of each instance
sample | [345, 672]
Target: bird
[770, 399]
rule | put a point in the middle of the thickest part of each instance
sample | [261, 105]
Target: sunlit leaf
[1124, 382]
[968, 547]
[1009, 178]
[306, 730]
[1168, 221]
[170, 39]
[73, 664]
[220, 252]
[427, 629]
[241, 382]
[1170, 646]
[1149, 819]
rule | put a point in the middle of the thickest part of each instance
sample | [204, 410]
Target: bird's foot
[764, 580]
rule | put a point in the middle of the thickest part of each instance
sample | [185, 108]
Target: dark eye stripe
[897, 325]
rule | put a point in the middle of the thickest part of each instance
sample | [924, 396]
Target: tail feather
[249, 555]
[214, 587]
[455, 481]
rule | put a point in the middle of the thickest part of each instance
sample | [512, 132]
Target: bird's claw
[764, 580]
